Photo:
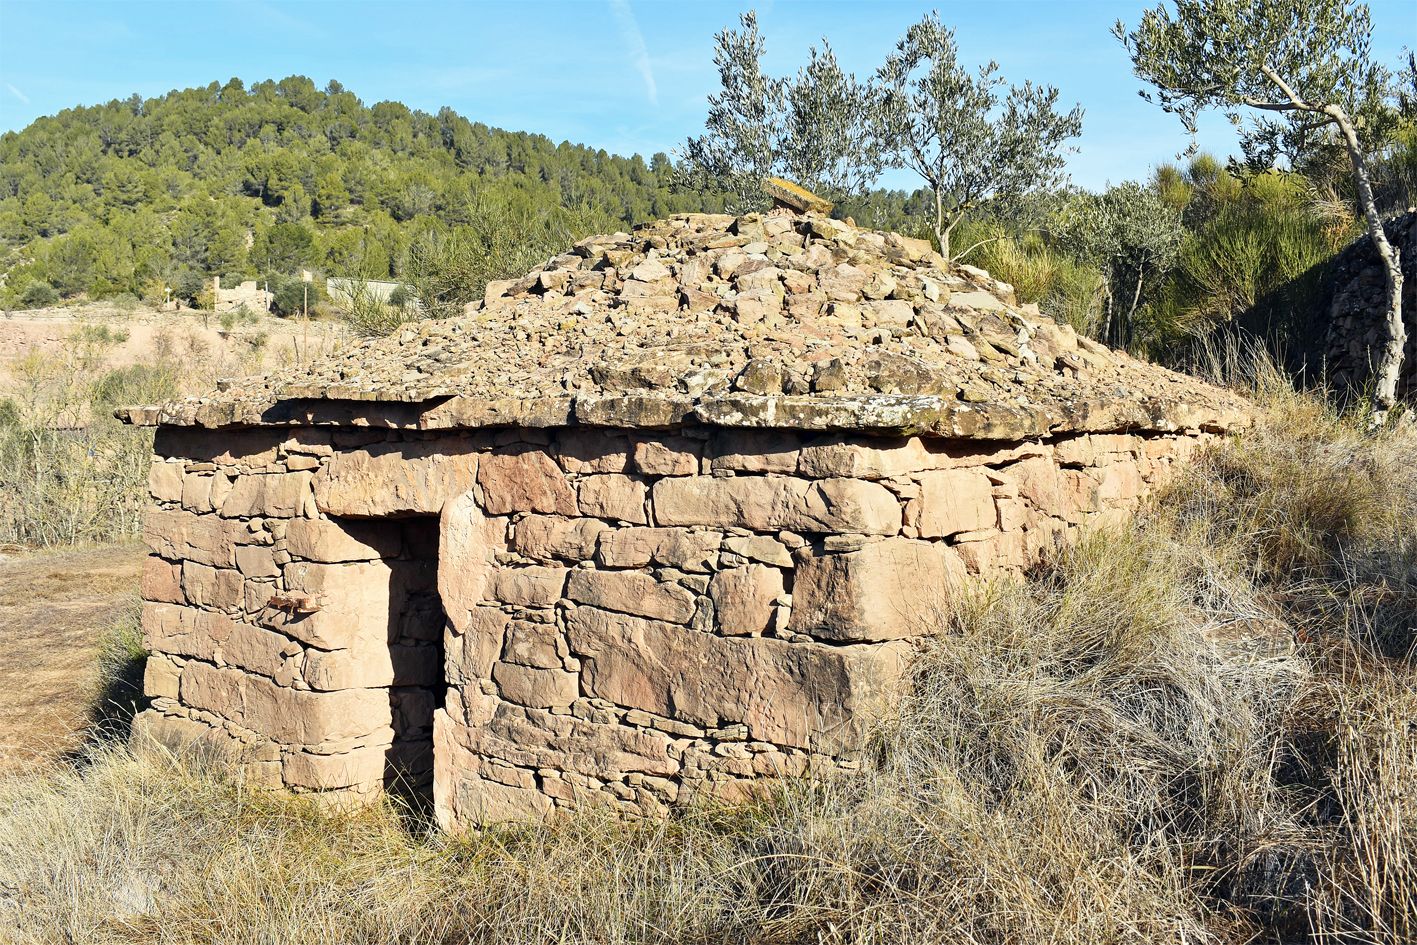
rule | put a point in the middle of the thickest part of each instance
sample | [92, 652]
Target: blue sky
[624, 75]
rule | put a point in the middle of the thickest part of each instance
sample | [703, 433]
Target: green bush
[445, 270]
[369, 316]
[189, 285]
[38, 295]
[289, 295]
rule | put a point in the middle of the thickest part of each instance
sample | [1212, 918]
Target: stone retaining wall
[1357, 311]
[633, 619]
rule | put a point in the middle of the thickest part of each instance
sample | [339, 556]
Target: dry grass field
[59, 609]
[142, 335]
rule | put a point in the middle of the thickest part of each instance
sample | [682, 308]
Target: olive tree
[1133, 236]
[739, 146]
[829, 142]
[973, 146]
[1276, 68]
[815, 128]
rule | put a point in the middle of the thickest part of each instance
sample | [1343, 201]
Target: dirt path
[55, 607]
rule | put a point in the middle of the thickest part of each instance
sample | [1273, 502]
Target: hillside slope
[225, 179]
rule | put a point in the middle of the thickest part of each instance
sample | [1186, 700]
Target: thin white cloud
[635, 45]
[17, 93]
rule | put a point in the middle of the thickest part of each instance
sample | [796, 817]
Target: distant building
[248, 294]
[343, 291]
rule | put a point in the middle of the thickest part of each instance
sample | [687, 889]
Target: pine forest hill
[230, 181]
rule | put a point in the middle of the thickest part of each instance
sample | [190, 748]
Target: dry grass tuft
[1197, 729]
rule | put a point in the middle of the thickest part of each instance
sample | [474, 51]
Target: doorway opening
[418, 687]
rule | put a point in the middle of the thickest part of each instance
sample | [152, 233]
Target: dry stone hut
[663, 517]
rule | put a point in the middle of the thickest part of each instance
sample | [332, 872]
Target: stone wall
[1356, 310]
[630, 619]
[248, 294]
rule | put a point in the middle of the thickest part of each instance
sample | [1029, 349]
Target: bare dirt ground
[55, 607]
[260, 343]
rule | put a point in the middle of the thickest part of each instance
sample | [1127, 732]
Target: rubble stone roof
[777, 320]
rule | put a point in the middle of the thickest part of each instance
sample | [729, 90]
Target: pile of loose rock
[760, 320]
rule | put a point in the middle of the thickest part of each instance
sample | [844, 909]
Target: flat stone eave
[933, 416]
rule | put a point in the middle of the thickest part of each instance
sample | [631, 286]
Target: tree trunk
[1107, 310]
[1390, 361]
[942, 231]
[1131, 312]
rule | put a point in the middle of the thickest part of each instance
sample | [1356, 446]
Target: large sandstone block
[318, 539]
[527, 480]
[182, 536]
[395, 478]
[743, 598]
[165, 481]
[591, 451]
[551, 537]
[668, 456]
[805, 695]
[631, 592]
[755, 451]
[1000, 551]
[197, 492]
[885, 590]
[1096, 449]
[257, 561]
[281, 495]
[288, 716]
[467, 542]
[538, 645]
[613, 496]
[1121, 485]
[1038, 480]
[869, 459]
[160, 677]
[536, 687]
[362, 767]
[357, 601]
[471, 649]
[372, 664]
[954, 501]
[668, 547]
[534, 586]
[770, 503]
[218, 588]
[162, 580]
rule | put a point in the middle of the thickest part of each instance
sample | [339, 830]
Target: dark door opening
[419, 686]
